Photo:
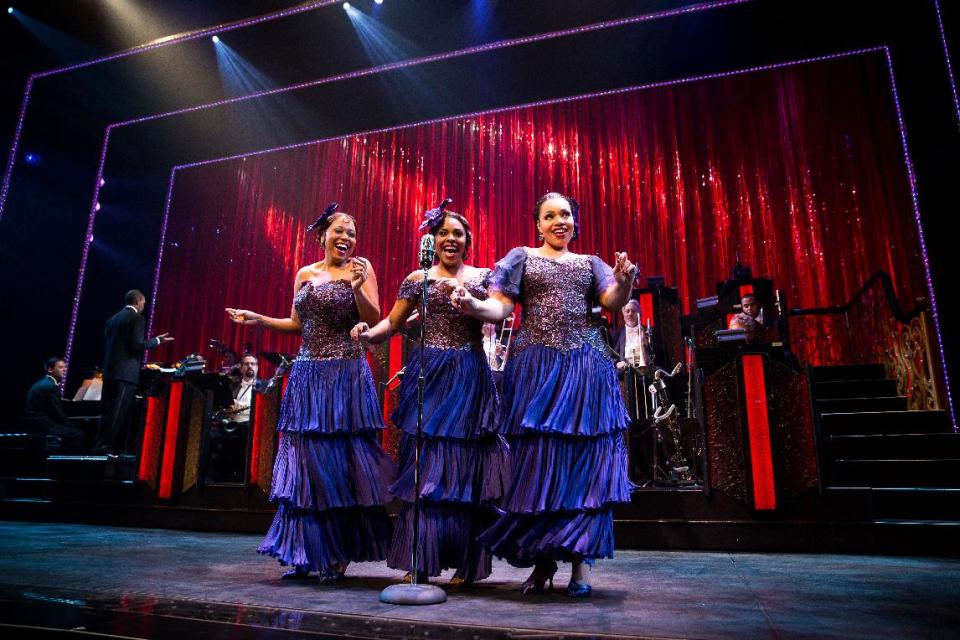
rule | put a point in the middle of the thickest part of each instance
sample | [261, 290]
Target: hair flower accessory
[433, 217]
[329, 211]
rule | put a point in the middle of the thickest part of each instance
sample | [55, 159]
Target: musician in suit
[751, 319]
[244, 387]
[227, 437]
[124, 345]
[630, 340]
[44, 412]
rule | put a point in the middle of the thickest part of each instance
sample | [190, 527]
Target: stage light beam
[139, 21]
[381, 43]
[239, 77]
[62, 45]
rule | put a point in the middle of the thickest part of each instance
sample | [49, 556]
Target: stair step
[894, 446]
[916, 522]
[855, 389]
[849, 372]
[861, 405]
[91, 468]
[885, 422]
[22, 453]
[923, 503]
[52, 490]
[896, 473]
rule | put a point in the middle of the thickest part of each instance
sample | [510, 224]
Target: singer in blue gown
[564, 416]
[330, 474]
[462, 459]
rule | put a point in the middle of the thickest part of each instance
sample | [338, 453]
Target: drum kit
[282, 362]
[230, 363]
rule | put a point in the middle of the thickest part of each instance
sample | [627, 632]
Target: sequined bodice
[446, 327]
[556, 297]
[327, 313]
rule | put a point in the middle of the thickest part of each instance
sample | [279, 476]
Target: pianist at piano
[43, 411]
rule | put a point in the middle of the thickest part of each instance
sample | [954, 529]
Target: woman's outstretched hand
[242, 316]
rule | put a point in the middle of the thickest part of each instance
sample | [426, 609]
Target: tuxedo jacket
[619, 342]
[258, 386]
[43, 402]
[123, 346]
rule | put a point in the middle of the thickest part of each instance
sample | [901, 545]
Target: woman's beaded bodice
[327, 313]
[446, 327]
[557, 296]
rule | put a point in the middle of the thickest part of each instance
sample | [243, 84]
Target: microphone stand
[416, 593]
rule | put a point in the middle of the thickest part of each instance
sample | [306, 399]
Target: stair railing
[873, 328]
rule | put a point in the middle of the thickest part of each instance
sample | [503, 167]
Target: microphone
[427, 250]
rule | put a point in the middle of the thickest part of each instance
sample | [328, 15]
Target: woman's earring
[539, 237]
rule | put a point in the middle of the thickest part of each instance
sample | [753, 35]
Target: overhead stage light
[346, 6]
[378, 1]
[9, 9]
[215, 39]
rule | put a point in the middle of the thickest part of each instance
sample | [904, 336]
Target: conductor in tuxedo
[124, 345]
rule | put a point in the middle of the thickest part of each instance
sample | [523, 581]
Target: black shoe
[296, 573]
[330, 575]
[538, 579]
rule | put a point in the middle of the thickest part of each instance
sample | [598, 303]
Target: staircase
[70, 479]
[900, 467]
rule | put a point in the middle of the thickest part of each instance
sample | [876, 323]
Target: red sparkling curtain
[799, 171]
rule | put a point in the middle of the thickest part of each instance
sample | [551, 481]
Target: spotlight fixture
[102, 182]
[9, 9]
[346, 6]
[97, 207]
[32, 159]
[378, 1]
[215, 39]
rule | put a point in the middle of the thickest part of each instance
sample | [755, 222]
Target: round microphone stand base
[413, 594]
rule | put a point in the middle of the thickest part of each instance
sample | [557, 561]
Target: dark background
[44, 222]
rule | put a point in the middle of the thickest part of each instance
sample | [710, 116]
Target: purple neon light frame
[162, 42]
[946, 55]
[480, 48]
[911, 177]
[500, 44]
[88, 238]
[903, 135]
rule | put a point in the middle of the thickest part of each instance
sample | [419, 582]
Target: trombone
[497, 346]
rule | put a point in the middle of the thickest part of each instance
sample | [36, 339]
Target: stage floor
[160, 583]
